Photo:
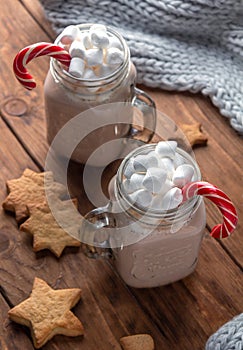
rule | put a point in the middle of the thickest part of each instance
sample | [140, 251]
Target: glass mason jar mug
[67, 96]
[151, 248]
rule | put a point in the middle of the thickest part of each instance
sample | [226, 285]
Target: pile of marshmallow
[95, 53]
[154, 180]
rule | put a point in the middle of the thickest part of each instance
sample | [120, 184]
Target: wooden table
[179, 316]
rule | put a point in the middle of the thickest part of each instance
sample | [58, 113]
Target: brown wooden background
[179, 316]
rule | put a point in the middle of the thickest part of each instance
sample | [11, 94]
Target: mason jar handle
[146, 105]
[93, 233]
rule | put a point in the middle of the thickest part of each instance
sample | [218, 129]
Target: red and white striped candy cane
[32, 51]
[219, 198]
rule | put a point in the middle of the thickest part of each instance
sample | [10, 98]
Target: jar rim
[173, 214]
[94, 82]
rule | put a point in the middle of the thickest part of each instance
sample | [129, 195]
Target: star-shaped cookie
[29, 190]
[194, 134]
[47, 312]
[49, 233]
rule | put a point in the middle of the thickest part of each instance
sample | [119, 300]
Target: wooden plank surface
[11, 337]
[107, 309]
[189, 310]
[36, 11]
[220, 162]
[179, 316]
[12, 95]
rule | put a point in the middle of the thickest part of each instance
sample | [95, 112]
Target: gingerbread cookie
[137, 342]
[194, 134]
[47, 232]
[28, 191]
[47, 313]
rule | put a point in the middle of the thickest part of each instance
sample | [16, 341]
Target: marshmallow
[182, 175]
[172, 199]
[166, 187]
[136, 182]
[115, 42]
[85, 40]
[100, 51]
[69, 34]
[166, 148]
[158, 198]
[144, 162]
[126, 186]
[114, 56]
[129, 170]
[94, 57]
[89, 74]
[141, 197]
[154, 179]
[99, 39]
[76, 67]
[105, 71]
[77, 49]
[178, 160]
[169, 165]
[156, 203]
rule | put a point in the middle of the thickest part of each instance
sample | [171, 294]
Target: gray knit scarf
[228, 337]
[193, 45]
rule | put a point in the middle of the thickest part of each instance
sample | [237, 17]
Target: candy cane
[219, 198]
[32, 51]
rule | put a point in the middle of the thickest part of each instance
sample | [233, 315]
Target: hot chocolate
[68, 95]
[172, 233]
[163, 256]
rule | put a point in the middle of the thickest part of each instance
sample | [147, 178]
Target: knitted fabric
[193, 45]
[228, 337]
